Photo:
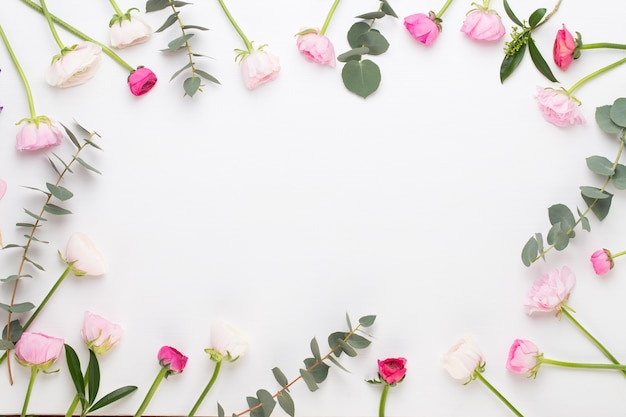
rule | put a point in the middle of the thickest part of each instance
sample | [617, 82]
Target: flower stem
[549, 15]
[615, 255]
[83, 36]
[216, 371]
[329, 17]
[47, 298]
[150, 394]
[493, 389]
[236, 26]
[606, 45]
[595, 341]
[618, 367]
[443, 9]
[117, 9]
[595, 74]
[383, 401]
[18, 67]
[29, 390]
[55, 34]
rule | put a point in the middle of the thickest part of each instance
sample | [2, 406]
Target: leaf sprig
[362, 76]
[192, 83]
[313, 373]
[612, 120]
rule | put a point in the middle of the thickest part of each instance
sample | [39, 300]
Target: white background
[282, 209]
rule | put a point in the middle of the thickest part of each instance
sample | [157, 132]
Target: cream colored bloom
[83, 257]
[128, 32]
[75, 66]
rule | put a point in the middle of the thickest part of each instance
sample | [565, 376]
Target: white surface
[281, 209]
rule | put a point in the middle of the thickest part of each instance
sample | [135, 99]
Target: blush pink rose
[258, 68]
[99, 334]
[3, 188]
[38, 350]
[424, 28]
[392, 370]
[550, 292]
[39, 133]
[483, 24]
[558, 108]
[601, 261]
[462, 360]
[76, 66]
[523, 357]
[83, 256]
[316, 48]
[141, 81]
[564, 51]
[172, 359]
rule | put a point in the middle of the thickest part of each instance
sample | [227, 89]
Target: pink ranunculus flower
[558, 107]
[141, 80]
[83, 257]
[3, 188]
[172, 360]
[463, 359]
[316, 48]
[483, 24]
[601, 261]
[75, 65]
[392, 370]
[565, 49]
[550, 292]
[99, 334]
[37, 350]
[424, 28]
[259, 67]
[39, 133]
[128, 30]
[524, 357]
[227, 343]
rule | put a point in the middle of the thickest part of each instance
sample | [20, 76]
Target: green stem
[549, 15]
[618, 367]
[216, 371]
[595, 74]
[29, 94]
[606, 45]
[493, 389]
[595, 341]
[55, 34]
[29, 390]
[383, 401]
[443, 9]
[615, 255]
[248, 44]
[74, 404]
[117, 9]
[150, 394]
[83, 36]
[329, 17]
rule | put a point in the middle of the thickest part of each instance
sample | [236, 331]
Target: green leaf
[376, 42]
[71, 135]
[353, 54]
[61, 193]
[220, 410]
[309, 380]
[372, 15]
[54, 209]
[177, 73]
[191, 85]
[29, 225]
[511, 62]
[171, 19]
[358, 342]
[67, 167]
[355, 32]
[336, 362]
[36, 265]
[539, 62]
[334, 339]
[367, 321]
[347, 348]
[186, 27]
[536, 17]
[557, 237]
[267, 401]
[618, 112]
[386, 7]
[54, 167]
[318, 369]
[600, 208]
[600, 165]
[604, 121]
[6, 345]
[315, 350]
[280, 377]
[93, 377]
[619, 178]
[560, 213]
[348, 321]
[361, 78]
[252, 403]
[34, 239]
[87, 166]
[73, 365]
[12, 278]
[113, 396]
[15, 332]
[509, 12]
[530, 251]
[179, 42]
[36, 217]
[154, 5]
[207, 76]
[594, 193]
[286, 403]
[584, 221]
[17, 308]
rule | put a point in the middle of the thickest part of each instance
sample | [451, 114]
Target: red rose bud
[141, 81]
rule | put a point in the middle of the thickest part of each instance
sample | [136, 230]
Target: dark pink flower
[172, 359]
[424, 28]
[601, 261]
[565, 49]
[392, 370]
[141, 81]
[523, 357]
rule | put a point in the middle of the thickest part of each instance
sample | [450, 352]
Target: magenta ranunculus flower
[172, 360]
[99, 334]
[424, 28]
[392, 370]
[37, 350]
[463, 359]
[483, 24]
[558, 107]
[601, 261]
[259, 67]
[141, 81]
[524, 357]
[75, 65]
[39, 133]
[316, 48]
[83, 257]
[565, 49]
[550, 292]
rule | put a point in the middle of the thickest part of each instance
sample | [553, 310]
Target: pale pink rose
[76, 66]
[392, 370]
[40, 133]
[482, 24]
[316, 48]
[172, 359]
[564, 50]
[99, 334]
[3, 188]
[141, 81]
[422, 27]
[227, 342]
[83, 256]
[523, 357]
[38, 350]
[128, 32]
[550, 292]
[558, 107]
[601, 261]
[259, 67]
[462, 360]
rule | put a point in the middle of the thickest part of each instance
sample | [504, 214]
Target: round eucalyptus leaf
[376, 42]
[361, 78]
[603, 119]
[618, 112]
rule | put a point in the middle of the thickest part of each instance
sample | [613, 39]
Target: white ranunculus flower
[462, 360]
[84, 257]
[128, 32]
[75, 66]
[227, 341]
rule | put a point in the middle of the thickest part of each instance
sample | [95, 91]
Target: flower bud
[37, 350]
[99, 334]
[83, 257]
[172, 359]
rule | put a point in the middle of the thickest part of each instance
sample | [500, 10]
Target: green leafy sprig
[362, 76]
[192, 83]
[521, 39]
[55, 194]
[313, 373]
[612, 120]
